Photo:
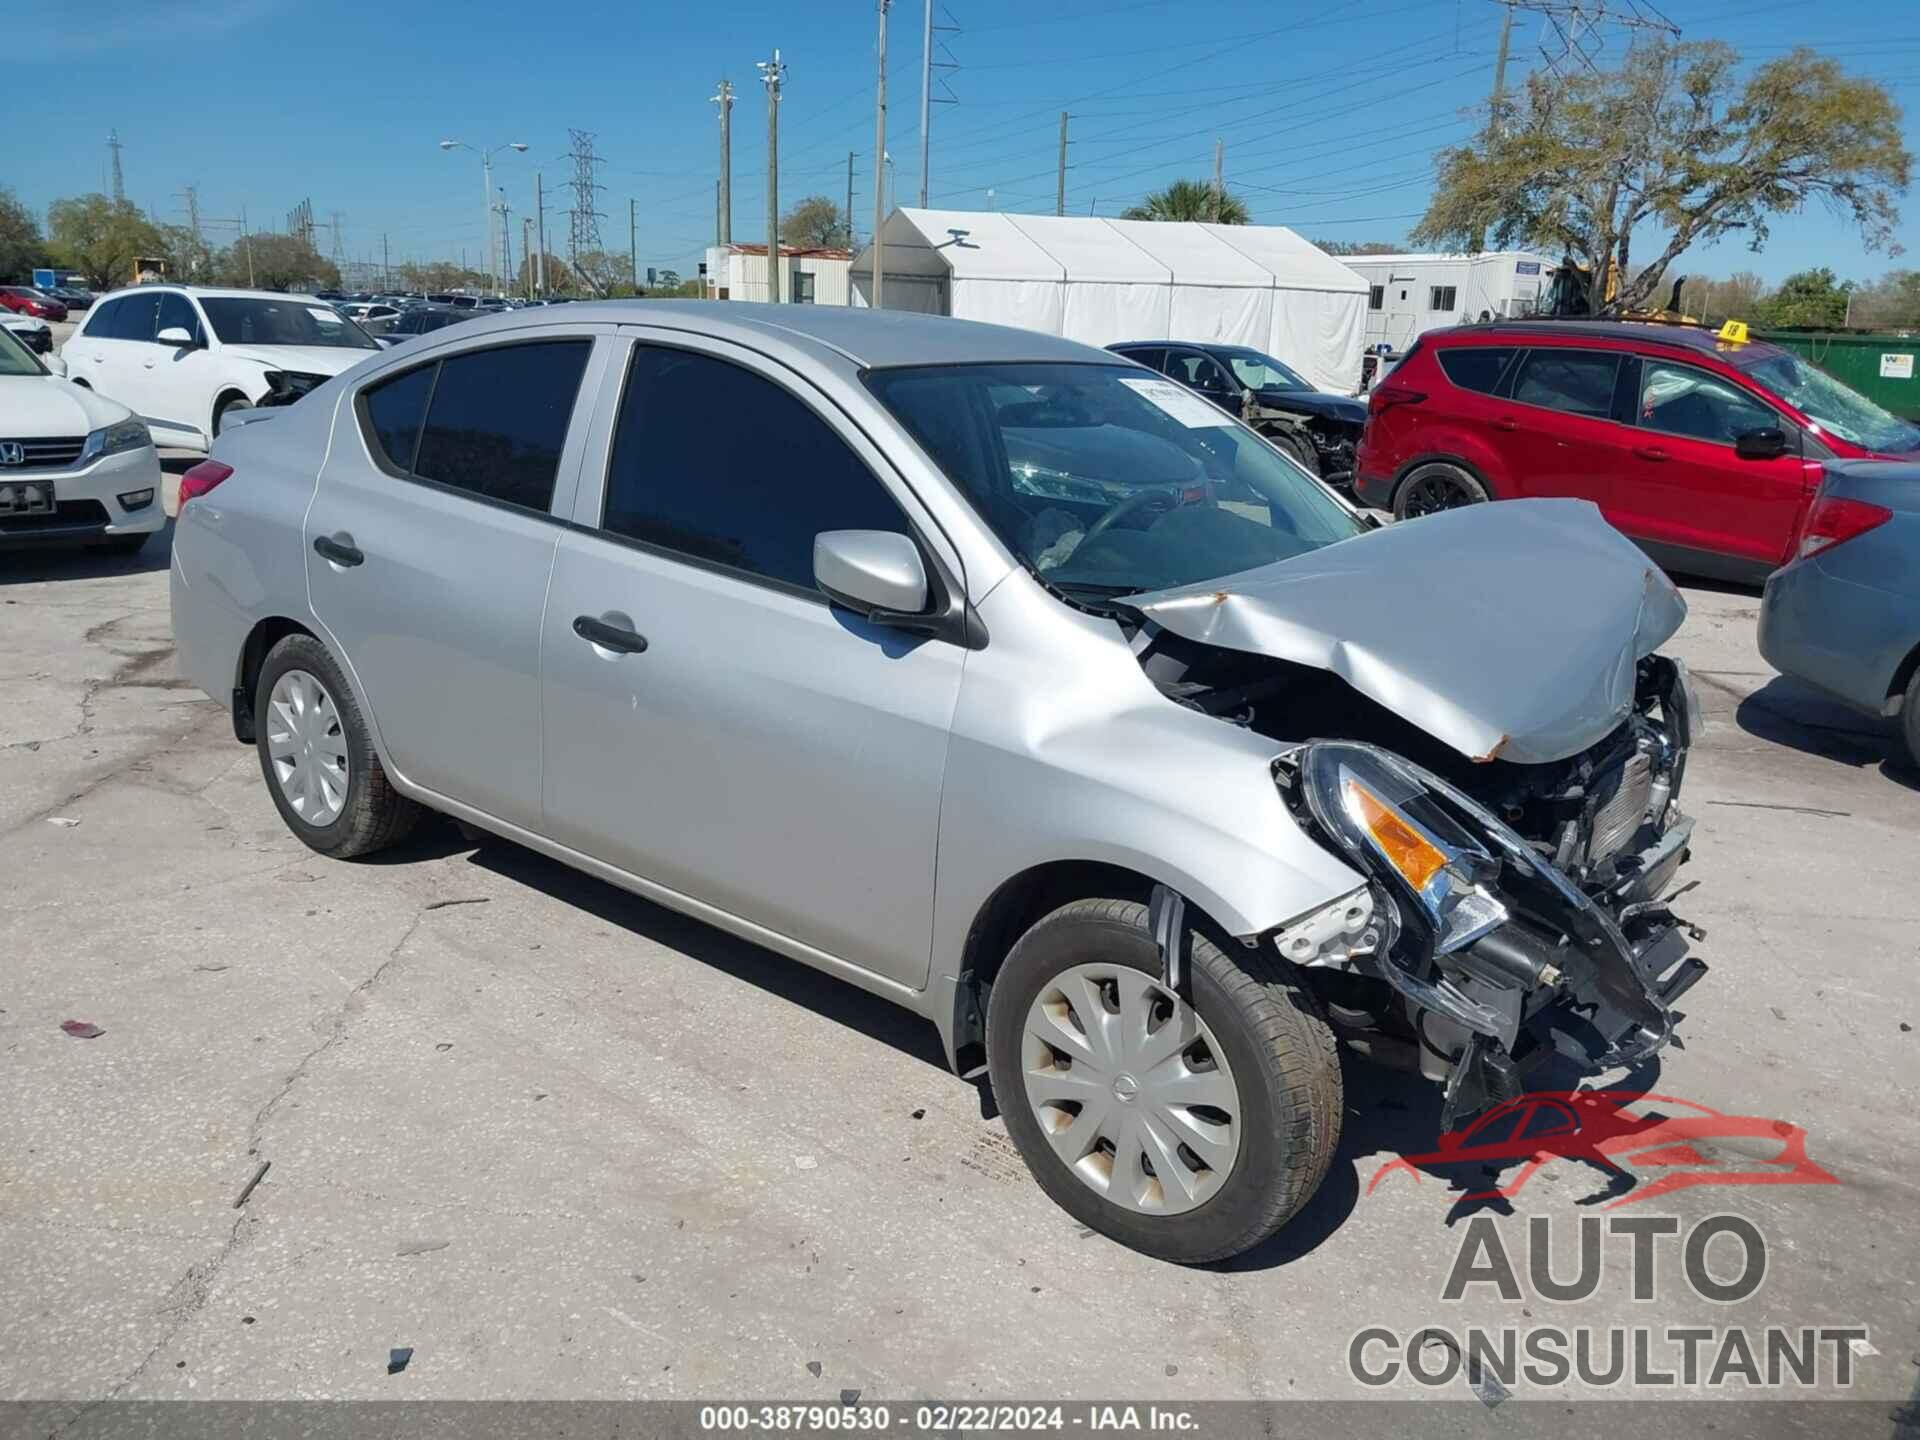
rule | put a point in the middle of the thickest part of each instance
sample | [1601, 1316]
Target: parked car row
[975, 666]
[75, 467]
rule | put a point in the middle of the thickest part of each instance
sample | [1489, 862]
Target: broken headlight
[1392, 824]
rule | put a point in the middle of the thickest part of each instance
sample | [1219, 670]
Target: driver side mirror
[1768, 444]
[875, 573]
[177, 337]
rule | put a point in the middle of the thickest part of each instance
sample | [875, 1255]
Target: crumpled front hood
[1508, 631]
[1344, 408]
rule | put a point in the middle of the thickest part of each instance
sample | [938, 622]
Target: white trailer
[1411, 294]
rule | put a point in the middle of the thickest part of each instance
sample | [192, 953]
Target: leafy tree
[1812, 297]
[560, 279]
[1674, 143]
[815, 223]
[279, 262]
[1358, 247]
[21, 247]
[1737, 297]
[101, 238]
[1189, 200]
[600, 272]
[1893, 299]
[189, 258]
[436, 277]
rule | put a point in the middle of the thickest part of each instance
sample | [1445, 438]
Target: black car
[1317, 429]
[421, 319]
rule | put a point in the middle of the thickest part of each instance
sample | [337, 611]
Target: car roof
[208, 292]
[1696, 338]
[869, 338]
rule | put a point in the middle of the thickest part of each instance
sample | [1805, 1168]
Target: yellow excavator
[1570, 296]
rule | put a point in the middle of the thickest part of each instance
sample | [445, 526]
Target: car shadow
[58, 560]
[826, 996]
[1390, 1114]
[1792, 713]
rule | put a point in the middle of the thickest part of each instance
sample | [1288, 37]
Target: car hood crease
[1509, 631]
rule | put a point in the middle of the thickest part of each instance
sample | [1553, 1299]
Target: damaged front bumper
[1494, 957]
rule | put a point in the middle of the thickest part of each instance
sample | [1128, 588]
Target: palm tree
[1189, 200]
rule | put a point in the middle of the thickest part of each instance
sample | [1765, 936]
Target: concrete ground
[566, 1144]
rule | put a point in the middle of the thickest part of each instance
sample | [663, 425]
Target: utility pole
[246, 241]
[386, 268]
[849, 215]
[879, 150]
[1060, 188]
[1500, 72]
[526, 251]
[1219, 188]
[926, 95]
[540, 234]
[506, 242]
[770, 73]
[633, 247]
[723, 97]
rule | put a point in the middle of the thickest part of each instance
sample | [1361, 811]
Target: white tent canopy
[1101, 281]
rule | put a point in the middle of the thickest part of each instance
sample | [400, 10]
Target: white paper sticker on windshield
[1179, 402]
[325, 317]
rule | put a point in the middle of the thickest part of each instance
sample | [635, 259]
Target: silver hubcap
[308, 747]
[1130, 1088]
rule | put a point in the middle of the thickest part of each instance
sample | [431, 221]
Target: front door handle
[1650, 452]
[1506, 422]
[609, 637]
[340, 554]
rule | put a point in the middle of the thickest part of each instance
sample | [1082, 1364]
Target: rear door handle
[609, 637]
[340, 554]
[1506, 422]
[1650, 452]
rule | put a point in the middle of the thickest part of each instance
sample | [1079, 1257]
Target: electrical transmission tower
[333, 223]
[119, 180]
[583, 236]
[300, 223]
[1574, 32]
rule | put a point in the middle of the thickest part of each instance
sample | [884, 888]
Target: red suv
[1705, 451]
[25, 300]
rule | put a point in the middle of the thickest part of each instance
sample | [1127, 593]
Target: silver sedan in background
[996, 676]
[1845, 615]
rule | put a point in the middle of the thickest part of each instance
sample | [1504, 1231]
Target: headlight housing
[127, 434]
[1394, 826]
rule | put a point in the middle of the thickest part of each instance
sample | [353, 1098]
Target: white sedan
[74, 466]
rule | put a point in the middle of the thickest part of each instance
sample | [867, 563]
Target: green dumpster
[1882, 365]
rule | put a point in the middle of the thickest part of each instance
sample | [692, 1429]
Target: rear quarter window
[1476, 367]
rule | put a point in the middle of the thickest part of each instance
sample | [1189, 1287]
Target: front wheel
[1910, 723]
[1301, 452]
[1187, 1127]
[235, 406]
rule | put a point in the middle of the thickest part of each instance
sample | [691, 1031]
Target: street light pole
[486, 197]
[879, 149]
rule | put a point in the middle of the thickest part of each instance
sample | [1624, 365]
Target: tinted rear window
[1578, 382]
[394, 410]
[1476, 367]
[133, 318]
[498, 420]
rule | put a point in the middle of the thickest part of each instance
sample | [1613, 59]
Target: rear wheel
[1189, 1127]
[1910, 723]
[318, 758]
[1434, 487]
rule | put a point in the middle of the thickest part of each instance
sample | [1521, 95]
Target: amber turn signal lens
[1405, 848]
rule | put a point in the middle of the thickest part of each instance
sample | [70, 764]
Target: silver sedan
[991, 673]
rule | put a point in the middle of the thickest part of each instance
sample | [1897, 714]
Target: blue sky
[1331, 112]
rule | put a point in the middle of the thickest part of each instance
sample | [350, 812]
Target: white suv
[185, 359]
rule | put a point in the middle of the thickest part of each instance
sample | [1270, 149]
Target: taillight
[1386, 396]
[202, 478]
[1835, 518]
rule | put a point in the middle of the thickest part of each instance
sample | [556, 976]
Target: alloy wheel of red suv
[1436, 487]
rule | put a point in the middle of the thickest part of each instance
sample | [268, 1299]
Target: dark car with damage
[1318, 429]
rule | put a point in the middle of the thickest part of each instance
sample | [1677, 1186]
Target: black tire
[1435, 486]
[374, 815]
[1277, 1045]
[1301, 451]
[227, 407]
[1910, 724]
